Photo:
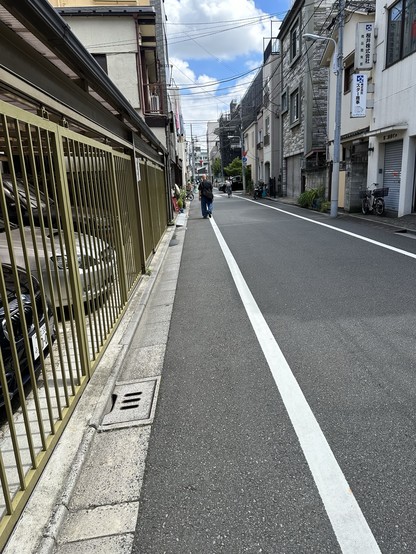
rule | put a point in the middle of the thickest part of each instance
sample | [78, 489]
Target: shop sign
[358, 95]
[389, 136]
[364, 44]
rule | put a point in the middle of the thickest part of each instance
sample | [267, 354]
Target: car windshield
[9, 282]
[9, 189]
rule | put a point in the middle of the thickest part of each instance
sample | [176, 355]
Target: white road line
[354, 235]
[350, 527]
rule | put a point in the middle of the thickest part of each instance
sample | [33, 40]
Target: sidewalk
[406, 222]
[88, 496]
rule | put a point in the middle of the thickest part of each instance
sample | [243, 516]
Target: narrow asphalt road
[238, 459]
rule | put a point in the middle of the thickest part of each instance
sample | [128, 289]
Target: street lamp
[338, 104]
[310, 36]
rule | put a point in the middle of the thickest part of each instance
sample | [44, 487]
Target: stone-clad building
[303, 97]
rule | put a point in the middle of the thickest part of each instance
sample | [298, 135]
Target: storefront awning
[386, 130]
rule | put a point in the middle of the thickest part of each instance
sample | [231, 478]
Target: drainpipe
[140, 79]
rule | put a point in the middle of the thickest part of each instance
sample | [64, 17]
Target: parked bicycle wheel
[190, 196]
[365, 206]
[379, 206]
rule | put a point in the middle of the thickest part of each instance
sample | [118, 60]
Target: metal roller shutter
[392, 173]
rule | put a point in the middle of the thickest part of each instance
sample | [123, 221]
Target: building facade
[303, 105]
[229, 135]
[392, 134]
[271, 117]
[355, 119]
[250, 107]
[137, 62]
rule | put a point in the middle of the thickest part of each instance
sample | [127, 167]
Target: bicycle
[372, 200]
[190, 195]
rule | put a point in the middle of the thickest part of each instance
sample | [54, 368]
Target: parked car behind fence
[97, 262]
[22, 320]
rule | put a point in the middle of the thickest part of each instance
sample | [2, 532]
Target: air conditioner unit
[154, 103]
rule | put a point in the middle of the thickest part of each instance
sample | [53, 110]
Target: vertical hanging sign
[364, 41]
[358, 95]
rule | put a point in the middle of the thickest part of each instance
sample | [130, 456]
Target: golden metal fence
[76, 232]
[131, 223]
[153, 201]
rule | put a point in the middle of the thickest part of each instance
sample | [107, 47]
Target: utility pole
[209, 173]
[243, 164]
[338, 114]
[192, 158]
[222, 153]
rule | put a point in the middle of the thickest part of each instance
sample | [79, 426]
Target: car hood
[94, 247]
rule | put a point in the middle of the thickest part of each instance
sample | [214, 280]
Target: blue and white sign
[358, 95]
[364, 44]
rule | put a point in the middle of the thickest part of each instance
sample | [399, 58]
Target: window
[294, 106]
[294, 41]
[409, 32]
[266, 94]
[101, 59]
[348, 73]
[401, 33]
[266, 139]
[284, 102]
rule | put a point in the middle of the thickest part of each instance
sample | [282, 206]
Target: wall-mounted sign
[389, 136]
[364, 44]
[358, 95]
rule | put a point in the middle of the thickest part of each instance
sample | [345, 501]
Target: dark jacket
[205, 188]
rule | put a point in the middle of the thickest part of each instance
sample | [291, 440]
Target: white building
[393, 127]
[250, 148]
[381, 146]
[271, 121]
[355, 123]
[212, 145]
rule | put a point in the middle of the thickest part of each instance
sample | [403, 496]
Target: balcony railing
[260, 145]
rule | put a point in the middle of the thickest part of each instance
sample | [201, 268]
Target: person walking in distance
[206, 197]
[228, 187]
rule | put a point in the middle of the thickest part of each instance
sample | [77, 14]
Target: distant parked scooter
[257, 193]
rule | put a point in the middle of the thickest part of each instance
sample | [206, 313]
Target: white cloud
[214, 33]
[191, 99]
[224, 29]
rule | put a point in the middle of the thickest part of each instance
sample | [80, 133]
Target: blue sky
[215, 50]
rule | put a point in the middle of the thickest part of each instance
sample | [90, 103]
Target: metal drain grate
[133, 403]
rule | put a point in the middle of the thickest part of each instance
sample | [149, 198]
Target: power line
[209, 33]
[213, 83]
[275, 70]
[205, 23]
